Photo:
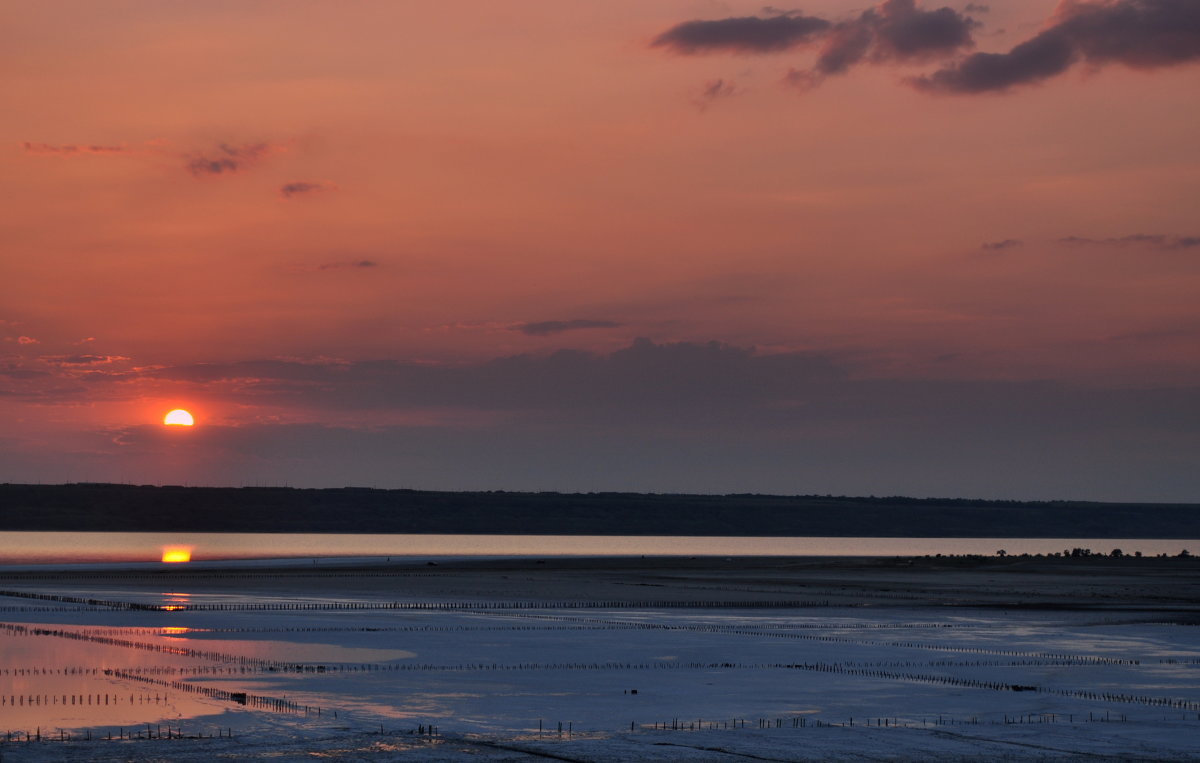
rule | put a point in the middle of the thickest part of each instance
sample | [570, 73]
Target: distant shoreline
[1097, 563]
[144, 508]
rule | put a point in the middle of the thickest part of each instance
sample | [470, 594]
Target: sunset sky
[664, 245]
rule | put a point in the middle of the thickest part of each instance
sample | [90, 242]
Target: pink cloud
[70, 149]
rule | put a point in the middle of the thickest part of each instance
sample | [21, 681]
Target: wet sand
[1168, 586]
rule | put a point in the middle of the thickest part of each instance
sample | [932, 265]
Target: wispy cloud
[1151, 240]
[545, 328]
[348, 264]
[298, 188]
[714, 90]
[84, 359]
[226, 158]
[71, 149]
[996, 246]
[223, 159]
[744, 34]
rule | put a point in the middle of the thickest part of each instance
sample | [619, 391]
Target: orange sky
[351, 218]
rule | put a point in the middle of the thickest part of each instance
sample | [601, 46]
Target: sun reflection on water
[176, 554]
[173, 602]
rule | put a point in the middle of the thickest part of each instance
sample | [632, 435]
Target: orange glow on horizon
[175, 554]
[178, 417]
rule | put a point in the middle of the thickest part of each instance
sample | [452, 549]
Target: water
[59, 683]
[90, 547]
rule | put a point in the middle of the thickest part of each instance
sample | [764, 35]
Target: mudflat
[775, 658]
[1167, 585]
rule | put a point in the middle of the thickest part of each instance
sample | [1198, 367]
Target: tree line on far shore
[132, 508]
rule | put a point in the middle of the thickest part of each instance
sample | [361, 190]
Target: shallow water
[499, 672]
[49, 683]
[70, 547]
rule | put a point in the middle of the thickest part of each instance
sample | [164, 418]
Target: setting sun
[177, 554]
[178, 417]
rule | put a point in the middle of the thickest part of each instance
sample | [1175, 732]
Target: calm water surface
[60, 547]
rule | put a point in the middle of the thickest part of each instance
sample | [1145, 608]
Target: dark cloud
[977, 8]
[1034, 60]
[1141, 34]
[1152, 240]
[71, 149]
[903, 32]
[289, 190]
[745, 34]
[226, 158]
[545, 328]
[352, 264]
[893, 31]
[1137, 33]
[996, 246]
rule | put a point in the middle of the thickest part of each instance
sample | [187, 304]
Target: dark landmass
[147, 508]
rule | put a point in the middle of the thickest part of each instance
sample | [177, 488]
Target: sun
[176, 554]
[178, 418]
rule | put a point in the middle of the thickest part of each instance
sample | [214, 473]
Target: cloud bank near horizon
[688, 416]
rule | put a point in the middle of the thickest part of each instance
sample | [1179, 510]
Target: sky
[670, 246]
